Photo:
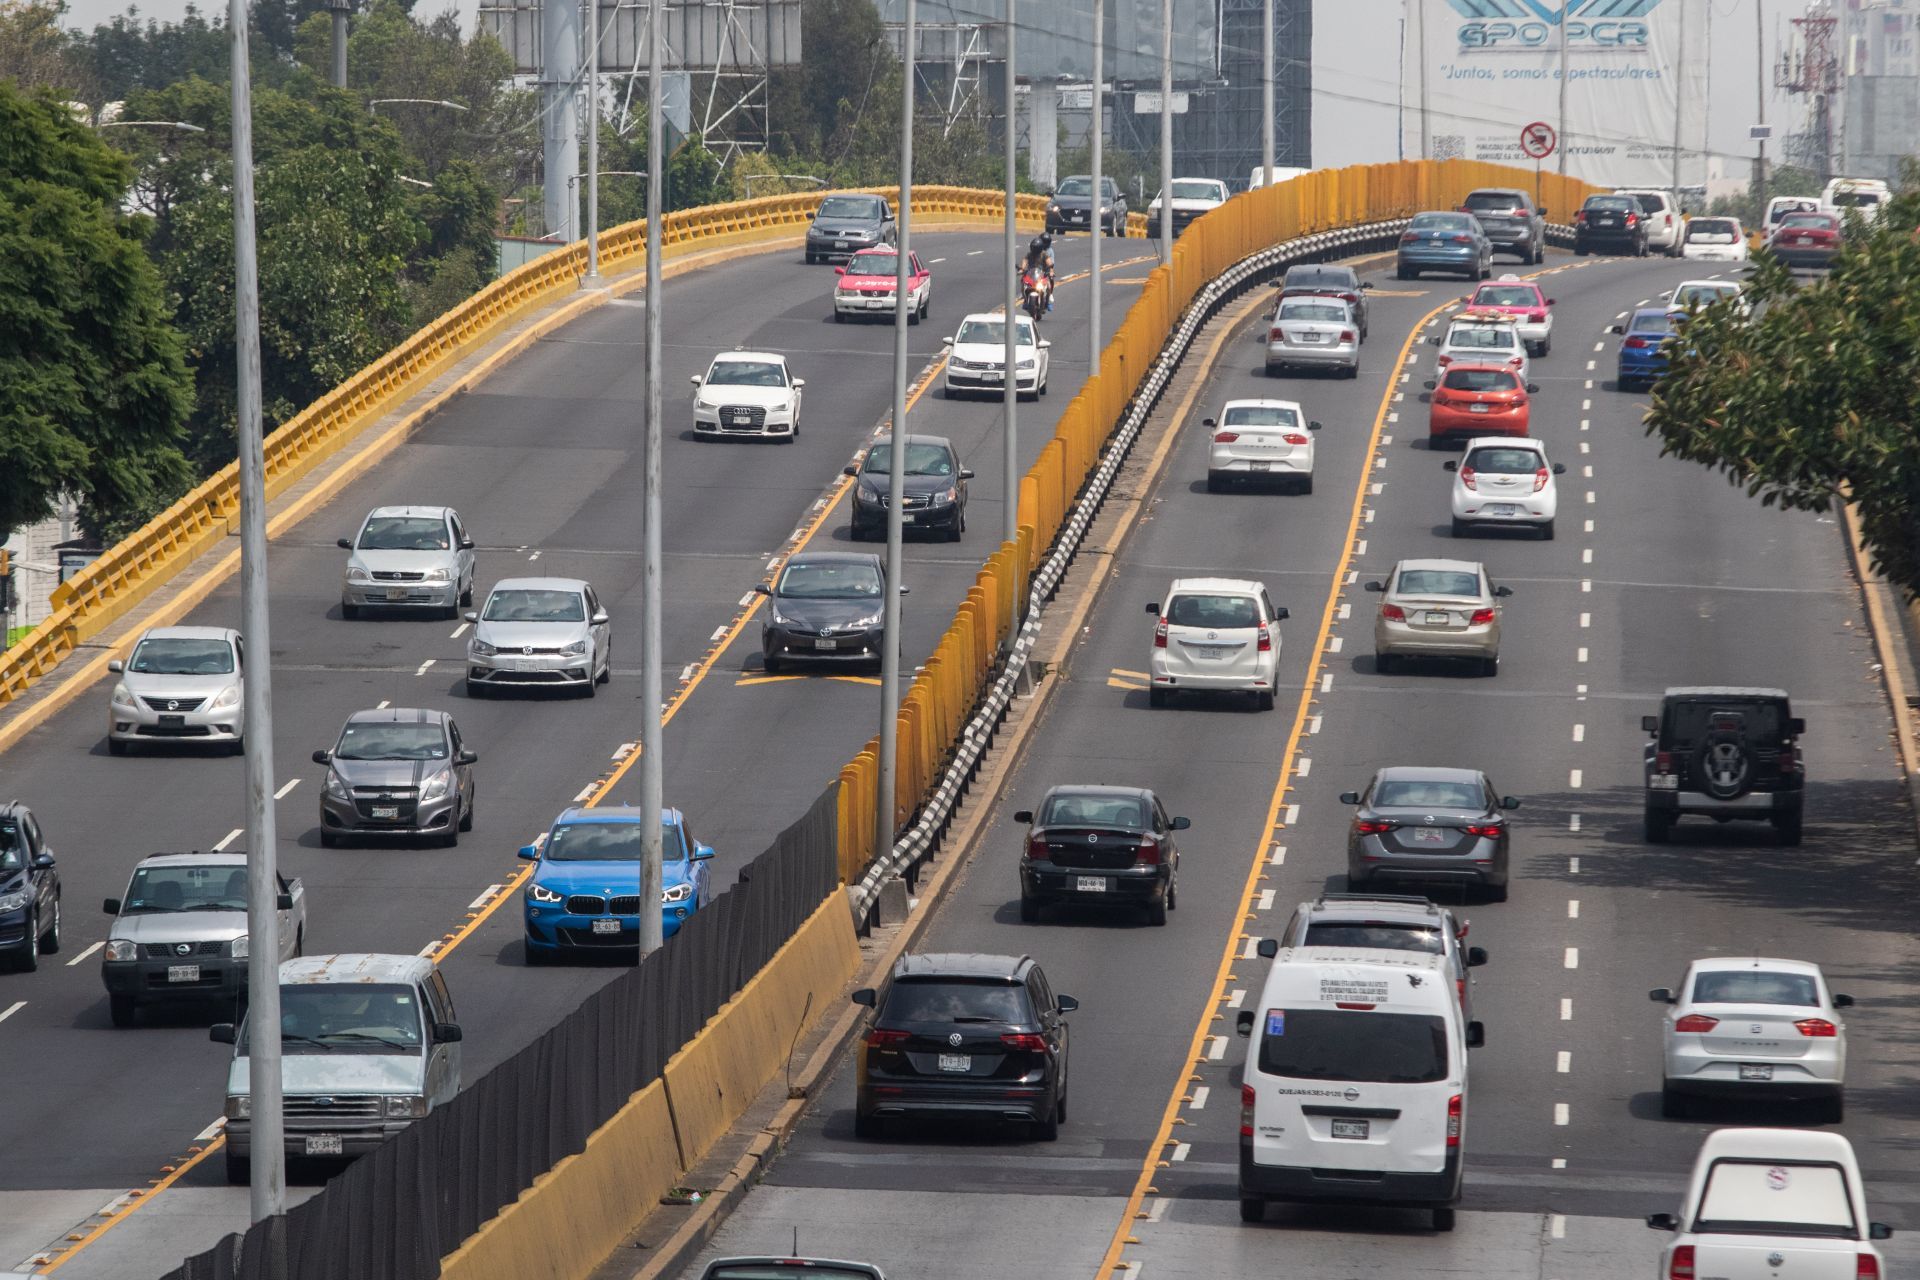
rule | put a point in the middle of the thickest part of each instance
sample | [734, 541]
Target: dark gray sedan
[826, 606]
[1429, 824]
[1071, 207]
[844, 225]
[397, 771]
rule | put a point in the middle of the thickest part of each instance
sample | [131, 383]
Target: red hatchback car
[1477, 400]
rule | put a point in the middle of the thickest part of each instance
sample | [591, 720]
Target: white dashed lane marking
[84, 954]
[281, 794]
[228, 839]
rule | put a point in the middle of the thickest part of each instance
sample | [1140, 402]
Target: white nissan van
[1356, 1082]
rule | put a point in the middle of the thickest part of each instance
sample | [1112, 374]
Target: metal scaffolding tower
[1810, 67]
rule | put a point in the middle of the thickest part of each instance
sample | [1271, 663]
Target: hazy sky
[1356, 64]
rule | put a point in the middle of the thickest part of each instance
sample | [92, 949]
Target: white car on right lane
[1753, 1028]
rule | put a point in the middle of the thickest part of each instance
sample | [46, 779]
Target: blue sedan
[1643, 356]
[1452, 242]
[584, 894]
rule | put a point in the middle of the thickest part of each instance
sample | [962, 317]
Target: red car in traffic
[1477, 400]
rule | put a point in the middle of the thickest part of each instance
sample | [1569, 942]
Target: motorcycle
[1034, 288]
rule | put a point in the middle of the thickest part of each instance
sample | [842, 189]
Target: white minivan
[1355, 1089]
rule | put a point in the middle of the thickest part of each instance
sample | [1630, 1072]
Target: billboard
[1475, 72]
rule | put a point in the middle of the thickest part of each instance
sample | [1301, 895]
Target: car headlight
[945, 496]
[123, 949]
[1052, 207]
[780, 619]
[13, 901]
[406, 1106]
[240, 1106]
[239, 951]
[871, 620]
[677, 893]
[227, 697]
[436, 575]
[122, 696]
[357, 573]
[1026, 362]
[538, 892]
[576, 648]
[337, 787]
[480, 649]
[437, 786]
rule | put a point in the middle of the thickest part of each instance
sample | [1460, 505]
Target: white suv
[1665, 226]
[1215, 634]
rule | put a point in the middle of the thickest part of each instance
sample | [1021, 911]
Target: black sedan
[844, 225]
[29, 890]
[826, 606]
[966, 1037]
[934, 496]
[1431, 825]
[1070, 208]
[1100, 846]
[1610, 222]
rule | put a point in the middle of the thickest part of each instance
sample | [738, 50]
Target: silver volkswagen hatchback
[408, 558]
[549, 632]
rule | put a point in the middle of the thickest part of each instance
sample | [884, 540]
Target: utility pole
[883, 831]
[1099, 185]
[1679, 94]
[1166, 131]
[1266, 92]
[1010, 523]
[652, 704]
[339, 10]
[267, 1185]
[1760, 91]
[1426, 123]
[559, 101]
[593, 146]
[1561, 146]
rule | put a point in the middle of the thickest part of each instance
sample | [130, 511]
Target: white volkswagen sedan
[1260, 439]
[1752, 1027]
[977, 356]
[1215, 635]
[1505, 481]
[1483, 337]
[1313, 333]
[747, 393]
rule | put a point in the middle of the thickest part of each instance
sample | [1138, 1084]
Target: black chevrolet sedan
[965, 1037]
[934, 496]
[1100, 846]
[29, 890]
[825, 606]
[844, 225]
[1432, 825]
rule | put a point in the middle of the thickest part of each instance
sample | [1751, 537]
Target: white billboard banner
[1476, 72]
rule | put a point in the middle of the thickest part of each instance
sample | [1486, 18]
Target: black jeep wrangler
[1727, 754]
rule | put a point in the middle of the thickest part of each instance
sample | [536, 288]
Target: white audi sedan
[1215, 635]
[1752, 1027]
[1505, 481]
[1260, 439]
[747, 393]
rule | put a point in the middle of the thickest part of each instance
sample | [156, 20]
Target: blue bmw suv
[584, 894]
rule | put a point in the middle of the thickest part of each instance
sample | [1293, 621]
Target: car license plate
[385, 811]
[958, 1063]
[1429, 835]
[826, 646]
[1205, 652]
[396, 593]
[1756, 1071]
[1351, 1129]
[324, 1144]
[1502, 509]
[1259, 464]
[742, 416]
[1090, 884]
[1479, 408]
[993, 375]
[183, 973]
[1311, 337]
[841, 244]
[1605, 222]
[172, 722]
[1078, 217]
[607, 925]
[1436, 619]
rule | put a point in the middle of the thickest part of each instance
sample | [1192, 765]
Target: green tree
[124, 53]
[34, 52]
[1817, 396]
[844, 61]
[93, 390]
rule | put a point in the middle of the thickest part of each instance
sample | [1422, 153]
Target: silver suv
[182, 684]
[180, 933]
[408, 558]
[1387, 922]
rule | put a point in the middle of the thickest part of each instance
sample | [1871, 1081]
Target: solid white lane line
[1566, 1008]
[12, 1009]
[1579, 730]
[1266, 895]
[485, 894]
[423, 667]
[459, 631]
[1573, 777]
[84, 954]
[281, 794]
[228, 839]
[1573, 908]
[1561, 1114]
[1200, 1092]
[1572, 960]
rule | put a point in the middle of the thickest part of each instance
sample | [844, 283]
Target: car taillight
[1483, 832]
[1294, 437]
[1393, 613]
[1246, 1111]
[1441, 397]
[1580, 215]
[1540, 479]
[1346, 335]
[1663, 762]
[1467, 479]
[1681, 1265]
[1461, 238]
[1265, 642]
[1160, 634]
[1695, 1023]
[1037, 847]
[1788, 759]
[1515, 362]
[881, 1039]
[1454, 1112]
[1444, 361]
[1481, 618]
[1275, 335]
[1407, 237]
[1025, 1040]
[1375, 827]
[1816, 1027]
[1536, 316]
[1351, 299]
[1225, 437]
[1633, 219]
[1636, 344]
[1460, 989]
[1866, 1267]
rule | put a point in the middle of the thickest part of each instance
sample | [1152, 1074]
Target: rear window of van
[1364, 1046]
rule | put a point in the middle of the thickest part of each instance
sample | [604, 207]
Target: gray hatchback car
[397, 771]
[846, 224]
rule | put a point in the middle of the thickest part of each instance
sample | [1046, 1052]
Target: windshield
[1504, 462]
[1197, 191]
[1480, 380]
[12, 857]
[1082, 187]
[1752, 986]
[1321, 278]
[1438, 582]
[994, 333]
[1375, 935]
[1612, 204]
[1712, 231]
[774, 1271]
[1418, 793]
[1778, 212]
[1311, 309]
[922, 460]
[1818, 221]
[1506, 295]
[1480, 337]
[874, 264]
[1261, 415]
[374, 740]
[347, 1017]
[179, 657]
[157, 889]
[1354, 1045]
[405, 533]
[1442, 222]
[1648, 201]
[830, 580]
[608, 842]
[1767, 1197]
[746, 373]
[1855, 199]
[535, 606]
[1493, 202]
[855, 207]
[1655, 322]
[1213, 612]
[955, 1000]
[1071, 809]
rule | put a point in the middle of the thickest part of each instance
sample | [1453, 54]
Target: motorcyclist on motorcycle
[1040, 262]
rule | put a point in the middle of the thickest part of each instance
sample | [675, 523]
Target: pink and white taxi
[1526, 302]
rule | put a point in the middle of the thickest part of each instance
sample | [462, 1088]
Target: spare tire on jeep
[1723, 764]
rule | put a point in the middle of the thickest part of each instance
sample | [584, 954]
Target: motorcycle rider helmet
[1046, 240]
[1037, 246]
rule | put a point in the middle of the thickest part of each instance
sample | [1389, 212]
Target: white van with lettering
[1356, 1082]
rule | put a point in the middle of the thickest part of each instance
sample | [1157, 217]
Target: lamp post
[418, 102]
[1166, 131]
[339, 11]
[1010, 524]
[652, 705]
[1099, 186]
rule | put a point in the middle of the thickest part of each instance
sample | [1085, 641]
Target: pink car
[1526, 302]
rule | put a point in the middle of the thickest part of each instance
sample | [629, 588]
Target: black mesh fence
[393, 1214]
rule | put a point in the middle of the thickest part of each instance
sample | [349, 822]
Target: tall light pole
[897, 468]
[1560, 146]
[1266, 92]
[1166, 131]
[593, 146]
[1760, 91]
[1099, 185]
[1010, 524]
[338, 10]
[1679, 97]
[267, 1185]
[652, 702]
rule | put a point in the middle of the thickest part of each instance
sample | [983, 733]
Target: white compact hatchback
[1753, 1028]
[1483, 337]
[977, 356]
[1215, 635]
[1715, 240]
[1260, 439]
[1505, 481]
[747, 393]
[1704, 293]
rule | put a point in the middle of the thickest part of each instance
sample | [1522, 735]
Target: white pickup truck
[1763, 1203]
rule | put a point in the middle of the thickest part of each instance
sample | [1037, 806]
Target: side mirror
[467, 757]
[839, 271]
[1023, 816]
[850, 470]
[345, 544]
[283, 902]
[1066, 1004]
[1313, 426]
[1154, 609]
[1186, 824]
[116, 666]
[447, 1033]
[1509, 802]
[42, 861]
[866, 996]
[1281, 614]
[1208, 422]
[1650, 724]
[530, 852]
[1045, 343]
[1796, 725]
[1533, 388]
[600, 618]
[1349, 797]
[799, 384]
[1879, 1231]
[111, 906]
[1616, 328]
[1502, 592]
[1843, 1002]
[1549, 300]
[1663, 1222]
[946, 342]
[1661, 995]
[1376, 586]
[1431, 386]
[221, 1033]
[904, 588]
[1434, 341]
[1559, 468]
[466, 544]
[1543, 213]
[1450, 465]
[322, 757]
[1243, 1022]
[695, 379]
[966, 473]
[1476, 1035]
[1268, 948]
[471, 616]
[1366, 284]
[1476, 956]
[762, 589]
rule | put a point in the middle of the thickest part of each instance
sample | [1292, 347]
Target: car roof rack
[1411, 899]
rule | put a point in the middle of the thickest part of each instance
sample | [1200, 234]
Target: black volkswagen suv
[1101, 846]
[969, 1037]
